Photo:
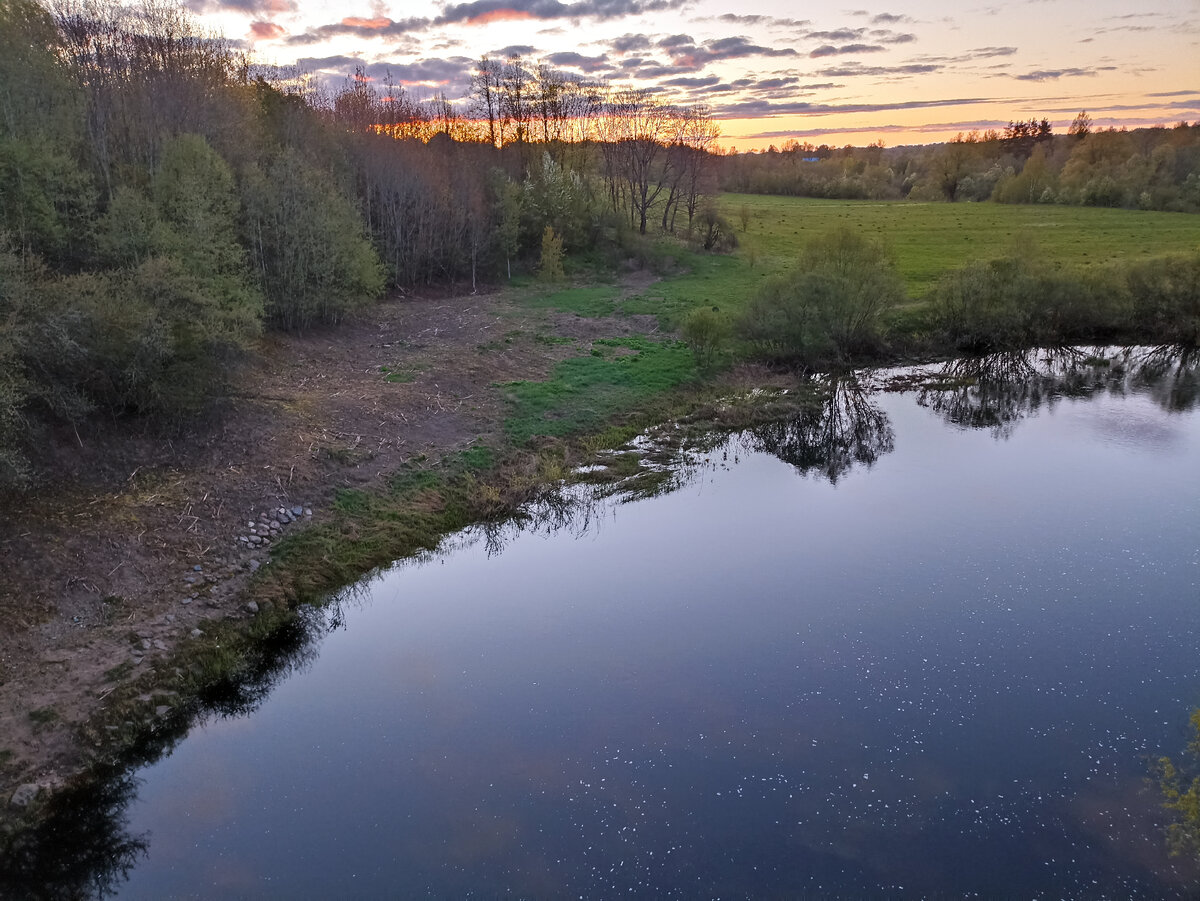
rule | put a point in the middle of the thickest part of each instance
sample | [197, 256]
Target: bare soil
[134, 543]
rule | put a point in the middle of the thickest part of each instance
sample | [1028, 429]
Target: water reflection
[82, 848]
[847, 429]
[997, 391]
[86, 849]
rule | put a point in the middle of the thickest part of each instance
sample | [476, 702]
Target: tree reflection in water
[998, 390]
[82, 848]
[847, 429]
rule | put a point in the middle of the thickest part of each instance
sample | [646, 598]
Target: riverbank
[122, 582]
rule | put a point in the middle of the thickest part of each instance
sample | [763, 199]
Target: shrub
[706, 334]
[829, 307]
[1165, 298]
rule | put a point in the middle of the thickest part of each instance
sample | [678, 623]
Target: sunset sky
[913, 71]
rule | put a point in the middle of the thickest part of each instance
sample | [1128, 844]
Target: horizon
[907, 73]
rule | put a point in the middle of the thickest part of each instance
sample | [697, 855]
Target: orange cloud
[499, 15]
[376, 23]
[266, 31]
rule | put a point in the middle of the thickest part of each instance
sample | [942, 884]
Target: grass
[584, 392]
[930, 238]
[586, 300]
[398, 375]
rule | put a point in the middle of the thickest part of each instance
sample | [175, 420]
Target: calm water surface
[940, 674]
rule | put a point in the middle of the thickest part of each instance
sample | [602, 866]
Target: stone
[308, 511]
[145, 644]
[254, 565]
[170, 617]
[252, 607]
[198, 568]
[25, 794]
[195, 633]
[162, 710]
[297, 511]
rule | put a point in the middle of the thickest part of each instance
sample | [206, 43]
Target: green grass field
[929, 238]
[926, 239]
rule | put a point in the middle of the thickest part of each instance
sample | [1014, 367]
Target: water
[926, 646]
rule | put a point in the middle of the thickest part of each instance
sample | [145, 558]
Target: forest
[164, 199]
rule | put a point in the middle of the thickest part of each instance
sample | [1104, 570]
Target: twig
[118, 566]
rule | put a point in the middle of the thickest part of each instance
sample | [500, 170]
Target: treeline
[162, 201]
[1147, 168]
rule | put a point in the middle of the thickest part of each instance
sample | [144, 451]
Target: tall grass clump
[829, 307]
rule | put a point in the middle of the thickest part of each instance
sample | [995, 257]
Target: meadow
[930, 243]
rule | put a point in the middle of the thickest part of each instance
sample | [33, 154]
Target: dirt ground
[136, 542]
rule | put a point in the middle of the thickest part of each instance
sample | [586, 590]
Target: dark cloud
[849, 70]
[888, 19]
[481, 12]
[684, 82]
[755, 108]
[1055, 74]
[697, 57]
[774, 84]
[975, 55]
[478, 12]
[772, 21]
[841, 34]
[579, 61]
[262, 8]
[830, 50]
[823, 86]
[891, 37]
[676, 40]
[628, 42]
[1174, 94]
[515, 50]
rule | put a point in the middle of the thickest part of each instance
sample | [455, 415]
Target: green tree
[829, 307]
[312, 258]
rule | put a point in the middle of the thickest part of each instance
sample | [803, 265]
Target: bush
[829, 307]
[1020, 300]
[706, 334]
[1164, 295]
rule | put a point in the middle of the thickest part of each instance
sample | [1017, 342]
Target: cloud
[852, 69]
[771, 21]
[830, 50]
[628, 42]
[266, 31]
[676, 40]
[246, 7]
[841, 34]
[515, 50]
[1055, 74]
[720, 49]
[889, 19]
[760, 108]
[683, 82]
[481, 12]
[478, 12]
[579, 61]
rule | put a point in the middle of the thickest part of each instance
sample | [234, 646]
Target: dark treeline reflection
[83, 848]
[998, 390]
[846, 429]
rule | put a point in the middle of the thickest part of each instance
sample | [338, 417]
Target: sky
[908, 72]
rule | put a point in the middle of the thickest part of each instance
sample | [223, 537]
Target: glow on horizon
[908, 73]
